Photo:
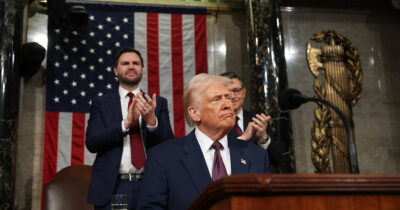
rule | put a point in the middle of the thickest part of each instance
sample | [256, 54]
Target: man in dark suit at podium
[121, 127]
[178, 171]
[249, 126]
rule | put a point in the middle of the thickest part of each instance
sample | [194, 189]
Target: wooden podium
[302, 192]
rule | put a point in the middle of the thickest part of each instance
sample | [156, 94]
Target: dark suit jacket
[104, 136]
[274, 149]
[176, 171]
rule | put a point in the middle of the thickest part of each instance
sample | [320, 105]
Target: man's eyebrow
[221, 94]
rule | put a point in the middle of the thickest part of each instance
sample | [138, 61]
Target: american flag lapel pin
[243, 161]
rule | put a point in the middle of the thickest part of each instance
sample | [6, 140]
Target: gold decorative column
[340, 84]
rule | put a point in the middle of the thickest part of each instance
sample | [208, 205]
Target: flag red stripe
[50, 148]
[177, 74]
[153, 63]
[200, 41]
[78, 138]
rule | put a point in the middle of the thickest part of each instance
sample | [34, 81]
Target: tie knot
[130, 94]
[237, 118]
[217, 146]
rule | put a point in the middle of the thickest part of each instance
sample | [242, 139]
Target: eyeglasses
[237, 91]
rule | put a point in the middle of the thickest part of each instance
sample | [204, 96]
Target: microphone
[292, 99]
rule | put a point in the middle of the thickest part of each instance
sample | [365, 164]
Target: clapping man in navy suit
[177, 171]
[249, 126]
[122, 126]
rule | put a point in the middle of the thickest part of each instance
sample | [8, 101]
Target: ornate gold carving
[320, 133]
[341, 73]
[312, 57]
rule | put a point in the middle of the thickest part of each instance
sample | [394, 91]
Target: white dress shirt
[126, 165]
[208, 152]
[241, 121]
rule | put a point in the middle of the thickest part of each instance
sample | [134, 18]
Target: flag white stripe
[189, 66]
[165, 60]
[140, 43]
[64, 140]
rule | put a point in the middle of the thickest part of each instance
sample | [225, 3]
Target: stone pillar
[9, 99]
[268, 69]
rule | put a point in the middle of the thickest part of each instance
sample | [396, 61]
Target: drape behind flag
[172, 41]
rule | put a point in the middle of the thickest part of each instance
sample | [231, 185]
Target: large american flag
[172, 41]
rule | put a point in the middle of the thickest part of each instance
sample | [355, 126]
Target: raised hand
[260, 124]
[147, 106]
[133, 115]
[248, 133]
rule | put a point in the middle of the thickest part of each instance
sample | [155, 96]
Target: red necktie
[137, 151]
[218, 169]
[237, 128]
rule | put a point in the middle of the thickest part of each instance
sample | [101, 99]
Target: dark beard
[126, 81]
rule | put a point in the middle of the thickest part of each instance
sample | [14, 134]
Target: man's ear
[244, 92]
[115, 71]
[194, 113]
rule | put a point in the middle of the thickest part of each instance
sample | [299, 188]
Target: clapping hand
[248, 133]
[147, 106]
[258, 126]
[133, 115]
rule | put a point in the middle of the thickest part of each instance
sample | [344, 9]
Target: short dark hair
[126, 50]
[232, 75]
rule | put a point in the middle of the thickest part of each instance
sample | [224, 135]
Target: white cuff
[152, 128]
[124, 130]
[266, 144]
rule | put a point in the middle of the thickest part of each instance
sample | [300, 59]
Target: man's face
[215, 110]
[129, 69]
[238, 94]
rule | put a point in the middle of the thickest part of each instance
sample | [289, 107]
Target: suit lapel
[115, 107]
[143, 126]
[246, 119]
[195, 163]
[239, 163]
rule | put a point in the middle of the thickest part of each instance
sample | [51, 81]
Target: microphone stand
[352, 149]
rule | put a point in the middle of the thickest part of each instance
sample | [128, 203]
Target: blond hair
[195, 90]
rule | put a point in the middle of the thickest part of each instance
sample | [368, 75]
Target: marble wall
[227, 46]
[31, 126]
[376, 116]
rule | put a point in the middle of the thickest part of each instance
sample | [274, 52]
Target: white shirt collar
[122, 92]
[205, 142]
[240, 115]
[241, 120]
